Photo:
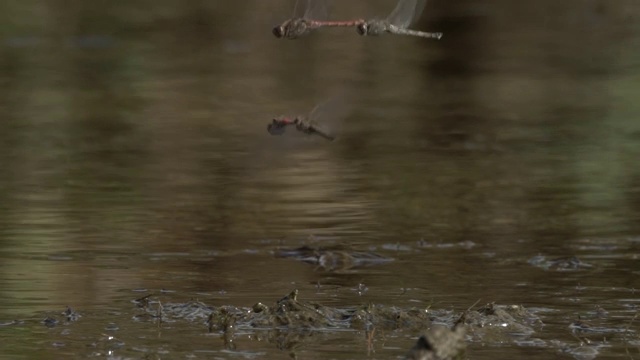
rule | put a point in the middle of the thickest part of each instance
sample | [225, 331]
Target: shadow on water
[498, 163]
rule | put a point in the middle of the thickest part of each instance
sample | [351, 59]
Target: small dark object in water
[260, 307]
[601, 312]
[440, 343]
[143, 302]
[292, 296]
[580, 325]
[334, 257]
[70, 314]
[559, 264]
[50, 322]
[571, 262]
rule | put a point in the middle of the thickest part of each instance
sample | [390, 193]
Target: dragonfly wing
[329, 114]
[312, 9]
[300, 8]
[406, 12]
[336, 107]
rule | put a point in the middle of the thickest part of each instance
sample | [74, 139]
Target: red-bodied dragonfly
[317, 121]
[309, 15]
[405, 13]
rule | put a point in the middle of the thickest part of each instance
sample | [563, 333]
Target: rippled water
[135, 160]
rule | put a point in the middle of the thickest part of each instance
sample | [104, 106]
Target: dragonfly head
[279, 31]
[373, 27]
[363, 28]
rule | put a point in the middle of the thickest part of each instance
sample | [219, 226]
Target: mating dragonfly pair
[312, 15]
[314, 12]
[319, 121]
[302, 124]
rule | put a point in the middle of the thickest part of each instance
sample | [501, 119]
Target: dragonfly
[405, 13]
[314, 123]
[307, 16]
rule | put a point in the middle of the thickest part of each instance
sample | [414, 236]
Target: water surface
[136, 160]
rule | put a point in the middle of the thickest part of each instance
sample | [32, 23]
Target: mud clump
[440, 343]
[389, 317]
[68, 315]
[290, 320]
[500, 323]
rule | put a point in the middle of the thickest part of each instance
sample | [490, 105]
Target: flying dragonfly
[307, 16]
[405, 13]
[316, 122]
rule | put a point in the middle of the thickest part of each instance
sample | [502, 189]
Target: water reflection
[135, 155]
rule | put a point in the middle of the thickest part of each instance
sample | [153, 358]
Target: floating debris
[559, 264]
[70, 314]
[334, 258]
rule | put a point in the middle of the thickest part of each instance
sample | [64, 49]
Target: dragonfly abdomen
[400, 31]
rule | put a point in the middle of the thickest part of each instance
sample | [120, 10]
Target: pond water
[135, 160]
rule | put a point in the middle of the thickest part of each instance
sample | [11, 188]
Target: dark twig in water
[143, 302]
[626, 330]
[159, 314]
[463, 316]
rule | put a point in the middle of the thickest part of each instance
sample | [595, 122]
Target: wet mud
[291, 322]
